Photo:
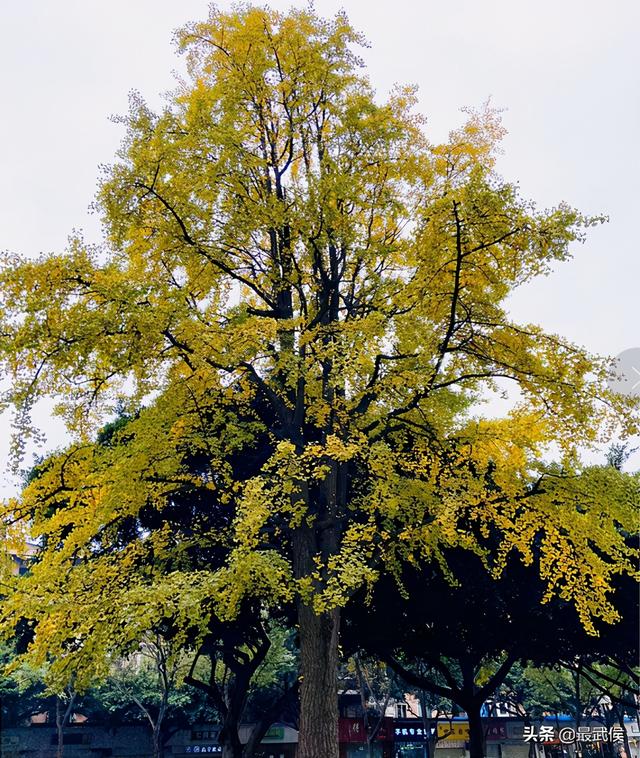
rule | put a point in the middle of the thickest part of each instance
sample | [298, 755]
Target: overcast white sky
[568, 72]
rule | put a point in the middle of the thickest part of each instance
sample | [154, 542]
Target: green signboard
[274, 734]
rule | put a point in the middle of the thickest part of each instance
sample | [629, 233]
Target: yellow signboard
[458, 731]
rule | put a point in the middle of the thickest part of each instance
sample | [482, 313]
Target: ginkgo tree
[290, 254]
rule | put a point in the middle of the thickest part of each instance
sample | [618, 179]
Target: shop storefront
[411, 739]
[353, 739]
[280, 741]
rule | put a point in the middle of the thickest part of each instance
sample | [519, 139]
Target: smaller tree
[435, 709]
[22, 691]
[460, 640]
[65, 701]
[250, 674]
[377, 686]
[151, 680]
[27, 691]
[585, 688]
[456, 642]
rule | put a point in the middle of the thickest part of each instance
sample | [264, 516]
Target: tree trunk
[625, 734]
[156, 727]
[158, 751]
[318, 639]
[61, 720]
[426, 713]
[231, 702]
[609, 719]
[533, 753]
[229, 737]
[59, 729]
[268, 717]
[476, 732]
[318, 737]
[231, 751]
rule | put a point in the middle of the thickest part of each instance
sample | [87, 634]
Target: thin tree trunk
[267, 718]
[578, 713]
[156, 727]
[609, 719]
[229, 734]
[428, 749]
[229, 705]
[158, 751]
[61, 720]
[60, 750]
[625, 733]
[232, 750]
[533, 753]
[476, 732]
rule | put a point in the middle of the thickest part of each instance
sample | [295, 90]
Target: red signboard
[496, 731]
[354, 730]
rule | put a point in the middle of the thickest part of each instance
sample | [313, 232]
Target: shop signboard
[274, 734]
[353, 730]
[456, 731]
[413, 730]
[410, 730]
[206, 734]
[496, 730]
